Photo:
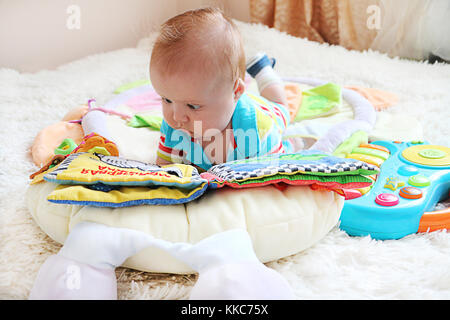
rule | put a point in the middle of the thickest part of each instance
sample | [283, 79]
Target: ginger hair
[202, 40]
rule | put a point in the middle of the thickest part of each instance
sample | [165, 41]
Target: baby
[197, 67]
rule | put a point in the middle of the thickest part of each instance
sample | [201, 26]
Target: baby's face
[191, 102]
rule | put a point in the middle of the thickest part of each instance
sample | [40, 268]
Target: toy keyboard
[414, 177]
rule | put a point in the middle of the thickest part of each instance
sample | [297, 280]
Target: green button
[100, 150]
[432, 153]
[66, 147]
[419, 181]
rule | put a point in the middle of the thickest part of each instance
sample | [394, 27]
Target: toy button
[419, 181]
[66, 147]
[393, 183]
[432, 153]
[428, 155]
[410, 193]
[386, 199]
[407, 170]
[100, 150]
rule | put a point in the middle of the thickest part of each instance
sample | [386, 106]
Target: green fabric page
[151, 121]
[319, 102]
[294, 177]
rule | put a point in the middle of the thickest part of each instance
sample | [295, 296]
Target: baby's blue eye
[193, 106]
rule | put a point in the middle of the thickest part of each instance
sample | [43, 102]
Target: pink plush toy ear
[76, 113]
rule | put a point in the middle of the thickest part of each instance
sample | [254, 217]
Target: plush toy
[227, 265]
[42, 150]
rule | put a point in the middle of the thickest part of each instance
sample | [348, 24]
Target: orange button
[410, 193]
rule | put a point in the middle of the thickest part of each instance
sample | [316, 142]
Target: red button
[386, 199]
[410, 193]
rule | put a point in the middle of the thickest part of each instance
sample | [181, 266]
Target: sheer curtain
[405, 28]
[414, 28]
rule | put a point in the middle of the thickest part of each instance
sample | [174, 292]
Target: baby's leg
[275, 93]
[269, 83]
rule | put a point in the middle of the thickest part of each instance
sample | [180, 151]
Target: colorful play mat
[97, 165]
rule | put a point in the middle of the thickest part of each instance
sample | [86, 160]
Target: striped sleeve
[167, 153]
[164, 151]
[278, 112]
[277, 148]
[272, 128]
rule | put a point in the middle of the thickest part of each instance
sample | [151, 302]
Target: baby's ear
[239, 88]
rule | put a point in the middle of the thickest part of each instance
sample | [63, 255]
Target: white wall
[237, 9]
[37, 34]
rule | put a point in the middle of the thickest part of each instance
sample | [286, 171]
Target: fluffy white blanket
[337, 267]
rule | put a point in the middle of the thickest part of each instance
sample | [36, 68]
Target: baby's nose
[179, 113]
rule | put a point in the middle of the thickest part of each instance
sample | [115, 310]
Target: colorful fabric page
[124, 196]
[91, 168]
[320, 101]
[306, 168]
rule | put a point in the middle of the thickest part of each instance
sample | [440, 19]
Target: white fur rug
[337, 267]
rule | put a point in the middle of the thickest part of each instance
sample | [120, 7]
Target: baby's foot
[258, 62]
[260, 67]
